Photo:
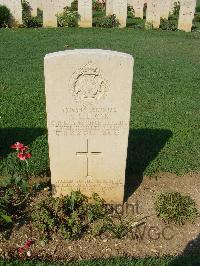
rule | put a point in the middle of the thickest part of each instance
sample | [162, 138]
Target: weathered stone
[88, 96]
[85, 12]
[165, 7]
[138, 6]
[49, 14]
[120, 10]
[109, 7]
[186, 14]
[153, 14]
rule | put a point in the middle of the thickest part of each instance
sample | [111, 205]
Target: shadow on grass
[9, 136]
[143, 147]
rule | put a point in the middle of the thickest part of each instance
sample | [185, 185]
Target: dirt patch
[155, 238]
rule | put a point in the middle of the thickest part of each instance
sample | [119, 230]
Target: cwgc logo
[88, 84]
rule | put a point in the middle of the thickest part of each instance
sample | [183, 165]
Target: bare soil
[154, 238]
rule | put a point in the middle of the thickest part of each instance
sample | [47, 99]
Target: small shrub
[68, 18]
[4, 16]
[33, 22]
[176, 8]
[14, 187]
[26, 9]
[197, 8]
[74, 5]
[108, 22]
[138, 23]
[70, 215]
[197, 18]
[98, 5]
[168, 25]
[174, 207]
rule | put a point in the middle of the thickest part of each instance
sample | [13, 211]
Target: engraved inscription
[88, 84]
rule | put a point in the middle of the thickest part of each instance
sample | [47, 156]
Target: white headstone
[153, 13]
[109, 7]
[120, 10]
[88, 97]
[165, 7]
[138, 6]
[34, 6]
[49, 13]
[85, 12]
[186, 14]
[15, 9]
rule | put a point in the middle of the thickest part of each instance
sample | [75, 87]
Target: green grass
[165, 115]
[168, 261]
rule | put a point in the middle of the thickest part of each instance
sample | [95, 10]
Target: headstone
[120, 10]
[109, 7]
[85, 12]
[186, 14]
[153, 14]
[49, 13]
[88, 97]
[165, 7]
[34, 6]
[138, 6]
[15, 9]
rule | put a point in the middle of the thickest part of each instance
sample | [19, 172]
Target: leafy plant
[197, 18]
[174, 207]
[26, 9]
[70, 215]
[33, 22]
[168, 25]
[108, 22]
[68, 18]
[197, 9]
[14, 187]
[176, 8]
[4, 16]
[98, 5]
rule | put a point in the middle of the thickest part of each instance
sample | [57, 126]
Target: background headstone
[120, 10]
[109, 7]
[138, 6]
[165, 7]
[186, 14]
[153, 13]
[49, 13]
[85, 12]
[88, 97]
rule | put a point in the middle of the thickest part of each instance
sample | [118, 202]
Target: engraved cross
[88, 154]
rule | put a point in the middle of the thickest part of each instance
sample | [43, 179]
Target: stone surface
[109, 7]
[138, 6]
[15, 9]
[186, 14]
[49, 13]
[153, 13]
[88, 99]
[165, 8]
[85, 12]
[120, 10]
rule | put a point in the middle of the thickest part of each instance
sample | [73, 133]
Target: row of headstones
[156, 9]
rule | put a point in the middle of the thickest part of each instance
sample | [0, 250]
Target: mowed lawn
[165, 114]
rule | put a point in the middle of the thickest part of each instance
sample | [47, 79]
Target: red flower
[28, 244]
[24, 148]
[17, 146]
[23, 156]
[20, 250]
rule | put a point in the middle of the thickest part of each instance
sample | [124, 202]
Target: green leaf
[6, 218]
